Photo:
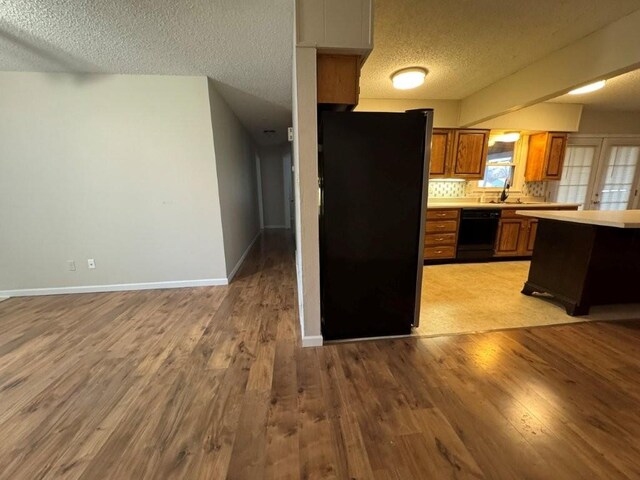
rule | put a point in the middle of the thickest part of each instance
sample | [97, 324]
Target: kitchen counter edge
[518, 206]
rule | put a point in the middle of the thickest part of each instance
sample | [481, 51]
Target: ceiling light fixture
[592, 87]
[408, 78]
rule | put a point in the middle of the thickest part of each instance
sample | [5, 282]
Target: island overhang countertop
[603, 218]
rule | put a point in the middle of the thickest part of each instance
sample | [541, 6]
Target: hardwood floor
[212, 383]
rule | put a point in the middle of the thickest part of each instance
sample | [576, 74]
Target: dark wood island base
[581, 265]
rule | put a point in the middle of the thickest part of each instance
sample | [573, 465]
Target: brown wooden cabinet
[517, 235]
[509, 239]
[470, 154]
[532, 230]
[338, 79]
[441, 147]
[441, 234]
[545, 156]
[458, 153]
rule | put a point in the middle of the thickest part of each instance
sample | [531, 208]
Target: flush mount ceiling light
[408, 78]
[592, 87]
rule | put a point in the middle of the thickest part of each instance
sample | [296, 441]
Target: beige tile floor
[478, 297]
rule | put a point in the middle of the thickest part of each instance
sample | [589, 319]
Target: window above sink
[505, 162]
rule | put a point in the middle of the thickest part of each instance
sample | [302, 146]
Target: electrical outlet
[72, 265]
[91, 263]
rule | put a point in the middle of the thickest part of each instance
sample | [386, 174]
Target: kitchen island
[585, 258]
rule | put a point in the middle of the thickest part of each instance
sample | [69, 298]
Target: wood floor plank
[213, 383]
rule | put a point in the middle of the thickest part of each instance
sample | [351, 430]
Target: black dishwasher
[477, 235]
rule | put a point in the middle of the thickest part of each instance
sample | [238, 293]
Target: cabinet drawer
[445, 226]
[434, 239]
[439, 252]
[442, 214]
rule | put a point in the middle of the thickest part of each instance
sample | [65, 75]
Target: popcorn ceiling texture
[467, 45]
[246, 47]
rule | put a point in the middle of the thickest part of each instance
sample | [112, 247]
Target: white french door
[600, 173]
[616, 186]
[578, 172]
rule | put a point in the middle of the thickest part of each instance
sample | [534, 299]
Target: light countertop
[619, 219]
[519, 206]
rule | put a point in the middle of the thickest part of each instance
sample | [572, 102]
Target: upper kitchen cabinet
[545, 156]
[441, 148]
[469, 155]
[338, 79]
[458, 153]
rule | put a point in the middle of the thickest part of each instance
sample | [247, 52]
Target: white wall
[599, 122]
[237, 181]
[287, 163]
[305, 160]
[445, 112]
[559, 117]
[553, 117]
[118, 168]
[271, 168]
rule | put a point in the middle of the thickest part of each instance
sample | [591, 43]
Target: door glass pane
[576, 173]
[618, 181]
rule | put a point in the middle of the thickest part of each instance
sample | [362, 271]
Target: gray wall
[237, 181]
[118, 168]
[273, 186]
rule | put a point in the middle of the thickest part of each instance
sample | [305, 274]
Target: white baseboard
[275, 226]
[312, 341]
[123, 287]
[242, 258]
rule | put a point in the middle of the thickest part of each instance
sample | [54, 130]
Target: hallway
[212, 383]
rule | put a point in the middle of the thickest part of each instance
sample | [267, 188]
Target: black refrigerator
[373, 191]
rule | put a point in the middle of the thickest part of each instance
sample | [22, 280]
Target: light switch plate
[91, 263]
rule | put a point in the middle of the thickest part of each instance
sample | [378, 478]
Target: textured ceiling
[244, 45]
[621, 93]
[469, 44]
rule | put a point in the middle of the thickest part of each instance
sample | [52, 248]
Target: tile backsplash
[459, 189]
[534, 189]
[446, 188]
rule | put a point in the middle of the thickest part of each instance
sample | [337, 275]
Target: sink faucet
[505, 191]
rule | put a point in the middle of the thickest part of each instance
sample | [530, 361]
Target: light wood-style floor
[479, 297]
[212, 383]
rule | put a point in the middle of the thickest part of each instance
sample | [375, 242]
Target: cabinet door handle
[439, 239]
[441, 214]
[438, 251]
[440, 226]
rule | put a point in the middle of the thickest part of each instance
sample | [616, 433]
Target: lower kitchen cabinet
[531, 236]
[441, 234]
[516, 237]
